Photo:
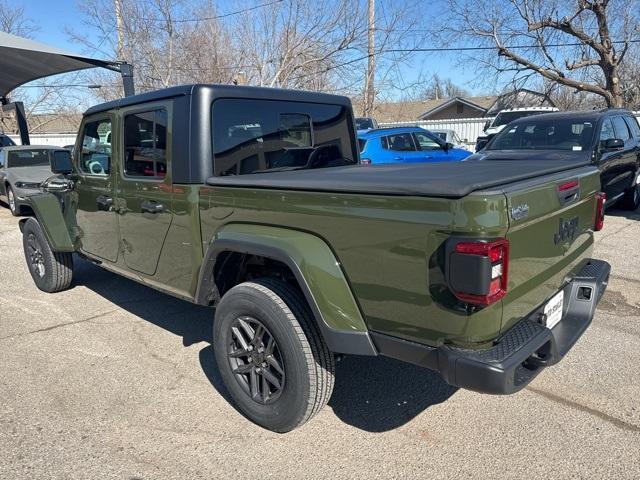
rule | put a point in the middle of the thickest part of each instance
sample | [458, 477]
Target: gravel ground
[114, 380]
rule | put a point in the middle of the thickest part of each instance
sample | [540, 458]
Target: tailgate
[550, 233]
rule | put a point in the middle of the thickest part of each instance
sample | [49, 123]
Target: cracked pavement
[114, 380]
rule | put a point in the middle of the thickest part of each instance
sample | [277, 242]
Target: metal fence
[59, 139]
[468, 129]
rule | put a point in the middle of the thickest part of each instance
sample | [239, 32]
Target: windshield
[364, 123]
[545, 134]
[6, 141]
[507, 117]
[441, 135]
[28, 158]
[254, 136]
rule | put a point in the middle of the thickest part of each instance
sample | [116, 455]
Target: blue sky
[52, 16]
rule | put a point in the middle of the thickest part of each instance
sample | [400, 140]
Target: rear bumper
[519, 355]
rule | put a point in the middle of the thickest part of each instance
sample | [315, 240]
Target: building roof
[479, 103]
[411, 111]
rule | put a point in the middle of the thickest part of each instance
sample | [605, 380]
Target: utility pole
[120, 29]
[369, 88]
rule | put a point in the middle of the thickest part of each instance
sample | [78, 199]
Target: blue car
[406, 145]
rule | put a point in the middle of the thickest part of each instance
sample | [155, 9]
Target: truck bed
[445, 180]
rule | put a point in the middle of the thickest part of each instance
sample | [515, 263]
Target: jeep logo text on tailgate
[566, 231]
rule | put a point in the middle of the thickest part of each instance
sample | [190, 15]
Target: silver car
[23, 168]
[450, 136]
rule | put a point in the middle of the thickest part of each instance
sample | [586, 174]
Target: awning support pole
[21, 119]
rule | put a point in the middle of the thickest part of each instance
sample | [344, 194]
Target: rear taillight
[365, 161]
[478, 271]
[601, 199]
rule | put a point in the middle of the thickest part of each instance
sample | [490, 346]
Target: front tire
[51, 271]
[631, 199]
[14, 208]
[271, 356]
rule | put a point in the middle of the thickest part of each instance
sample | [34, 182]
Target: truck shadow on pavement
[375, 394]
[629, 214]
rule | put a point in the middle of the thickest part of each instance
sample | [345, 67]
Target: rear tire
[631, 199]
[271, 356]
[51, 271]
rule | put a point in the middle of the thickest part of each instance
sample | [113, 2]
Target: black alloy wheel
[255, 359]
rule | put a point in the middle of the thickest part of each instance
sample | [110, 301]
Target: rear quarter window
[632, 122]
[621, 129]
[251, 136]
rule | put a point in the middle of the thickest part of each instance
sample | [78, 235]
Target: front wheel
[14, 208]
[631, 199]
[51, 271]
[271, 356]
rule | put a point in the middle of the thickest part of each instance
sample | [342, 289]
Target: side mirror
[486, 125]
[613, 144]
[61, 162]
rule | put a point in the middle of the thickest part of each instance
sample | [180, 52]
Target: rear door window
[145, 144]
[401, 142]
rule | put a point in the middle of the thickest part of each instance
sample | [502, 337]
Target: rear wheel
[51, 271]
[271, 356]
[631, 199]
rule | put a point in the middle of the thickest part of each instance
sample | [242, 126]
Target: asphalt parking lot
[114, 380]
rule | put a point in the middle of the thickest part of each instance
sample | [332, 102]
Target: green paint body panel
[387, 246]
[57, 226]
[316, 263]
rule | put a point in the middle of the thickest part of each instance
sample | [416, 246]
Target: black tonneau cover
[449, 180]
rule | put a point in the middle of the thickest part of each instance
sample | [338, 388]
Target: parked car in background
[406, 145]
[492, 127]
[23, 168]
[450, 136]
[366, 123]
[5, 141]
[608, 138]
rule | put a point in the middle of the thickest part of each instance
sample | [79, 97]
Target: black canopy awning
[23, 60]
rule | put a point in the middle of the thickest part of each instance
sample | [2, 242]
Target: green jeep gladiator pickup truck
[252, 200]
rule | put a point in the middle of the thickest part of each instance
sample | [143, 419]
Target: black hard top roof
[233, 91]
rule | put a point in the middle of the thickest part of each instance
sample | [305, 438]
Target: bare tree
[13, 20]
[581, 44]
[439, 88]
[300, 43]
